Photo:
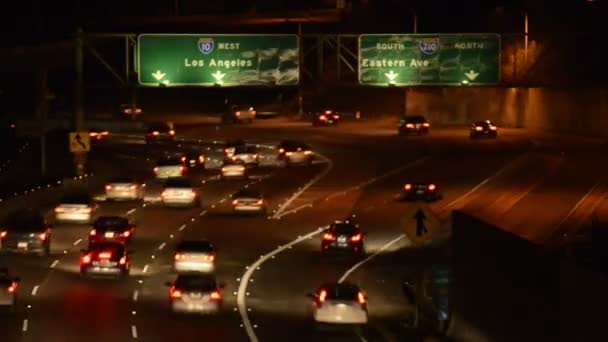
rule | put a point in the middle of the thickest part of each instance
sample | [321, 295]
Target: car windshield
[158, 127]
[483, 123]
[169, 162]
[242, 107]
[233, 143]
[122, 179]
[344, 228]
[342, 292]
[111, 223]
[196, 282]
[195, 246]
[25, 220]
[414, 119]
[107, 246]
[178, 183]
[76, 198]
[245, 149]
[247, 193]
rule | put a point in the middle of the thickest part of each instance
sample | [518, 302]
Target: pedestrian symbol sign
[419, 223]
[79, 142]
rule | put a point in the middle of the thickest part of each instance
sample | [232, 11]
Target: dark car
[421, 191]
[413, 124]
[481, 129]
[195, 293]
[158, 132]
[293, 152]
[326, 118]
[26, 231]
[111, 229]
[105, 259]
[193, 160]
[240, 114]
[98, 134]
[344, 236]
[8, 289]
[129, 110]
[231, 146]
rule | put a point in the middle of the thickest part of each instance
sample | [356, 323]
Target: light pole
[525, 39]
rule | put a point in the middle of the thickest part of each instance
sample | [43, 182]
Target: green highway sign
[217, 59]
[429, 59]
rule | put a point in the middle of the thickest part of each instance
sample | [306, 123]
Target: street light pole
[415, 22]
[525, 38]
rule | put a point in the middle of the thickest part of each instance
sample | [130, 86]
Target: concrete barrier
[32, 127]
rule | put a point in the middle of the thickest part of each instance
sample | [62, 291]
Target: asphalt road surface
[537, 189]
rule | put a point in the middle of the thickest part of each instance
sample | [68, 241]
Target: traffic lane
[537, 217]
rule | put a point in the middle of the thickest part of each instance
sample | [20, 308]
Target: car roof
[114, 246]
[76, 198]
[482, 122]
[169, 161]
[413, 118]
[341, 290]
[344, 228]
[245, 149]
[254, 193]
[25, 220]
[158, 126]
[197, 281]
[178, 182]
[122, 179]
[105, 222]
[195, 245]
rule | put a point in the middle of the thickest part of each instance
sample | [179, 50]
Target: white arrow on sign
[472, 75]
[218, 75]
[158, 75]
[391, 75]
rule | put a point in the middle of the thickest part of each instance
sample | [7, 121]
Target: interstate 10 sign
[217, 60]
[429, 59]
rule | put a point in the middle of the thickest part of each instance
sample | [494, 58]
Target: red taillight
[85, 259]
[93, 232]
[479, 128]
[322, 118]
[43, 236]
[126, 233]
[322, 296]
[336, 117]
[12, 288]
[193, 193]
[182, 169]
[183, 159]
[432, 187]
[156, 170]
[493, 128]
[155, 133]
[409, 125]
[408, 187]
[260, 202]
[361, 298]
[122, 260]
[3, 234]
[12, 125]
[356, 238]
[238, 113]
[179, 256]
[105, 255]
[59, 210]
[175, 293]
[215, 295]
[235, 202]
[137, 111]
[328, 236]
[210, 258]
[426, 124]
[201, 159]
[108, 187]
[133, 187]
[163, 194]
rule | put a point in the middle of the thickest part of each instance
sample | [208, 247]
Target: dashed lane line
[378, 252]
[24, 326]
[54, 263]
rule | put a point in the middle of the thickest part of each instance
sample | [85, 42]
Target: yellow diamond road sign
[79, 142]
[419, 223]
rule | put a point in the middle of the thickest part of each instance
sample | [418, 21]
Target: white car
[339, 303]
[248, 201]
[124, 189]
[247, 154]
[195, 293]
[194, 256]
[293, 153]
[233, 170]
[169, 167]
[179, 191]
[76, 207]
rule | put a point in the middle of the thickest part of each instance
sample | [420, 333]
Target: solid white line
[242, 290]
[578, 204]
[135, 295]
[363, 339]
[54, 263]
[134, 331]
[24, 326]
[77, 242]
[162, 245]
[317, 178]
[131, 211]
[145, 269]
[35, 290]
[183, 226]
[357, 265]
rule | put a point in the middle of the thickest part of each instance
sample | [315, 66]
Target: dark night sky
[29, 22]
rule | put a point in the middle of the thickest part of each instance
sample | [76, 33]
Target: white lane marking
[131, 211]
[54, 263]
[242, 290]
[162, 245]
[145, 269]
[498, 173]
[578, 204]
[202, 213]
[317, 178]
[222, 200]
[134, 331]
[382, 249]
[24, 326]
[363, 339]
[77, 242]
[35, 290]
[135, 295]
[183, 226]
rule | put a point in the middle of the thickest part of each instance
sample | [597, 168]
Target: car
[124, 189]
[130, 110]
[26, 231]
[293, 153]
[111, 229]
[159, 132]
[249, 201]
[326, 118]
[343, 236]
[233, 169]
[179, 191]
[240, 114]
[76, 207]
[423, 191]
[8, 289]
[231, 146]
[339, 303]
[248, 154]
[169, 167]
[480, 129]
[194, 256]
[195, 293]
[193, 160]
[98, 134]
[105, 259]
[413, 124]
